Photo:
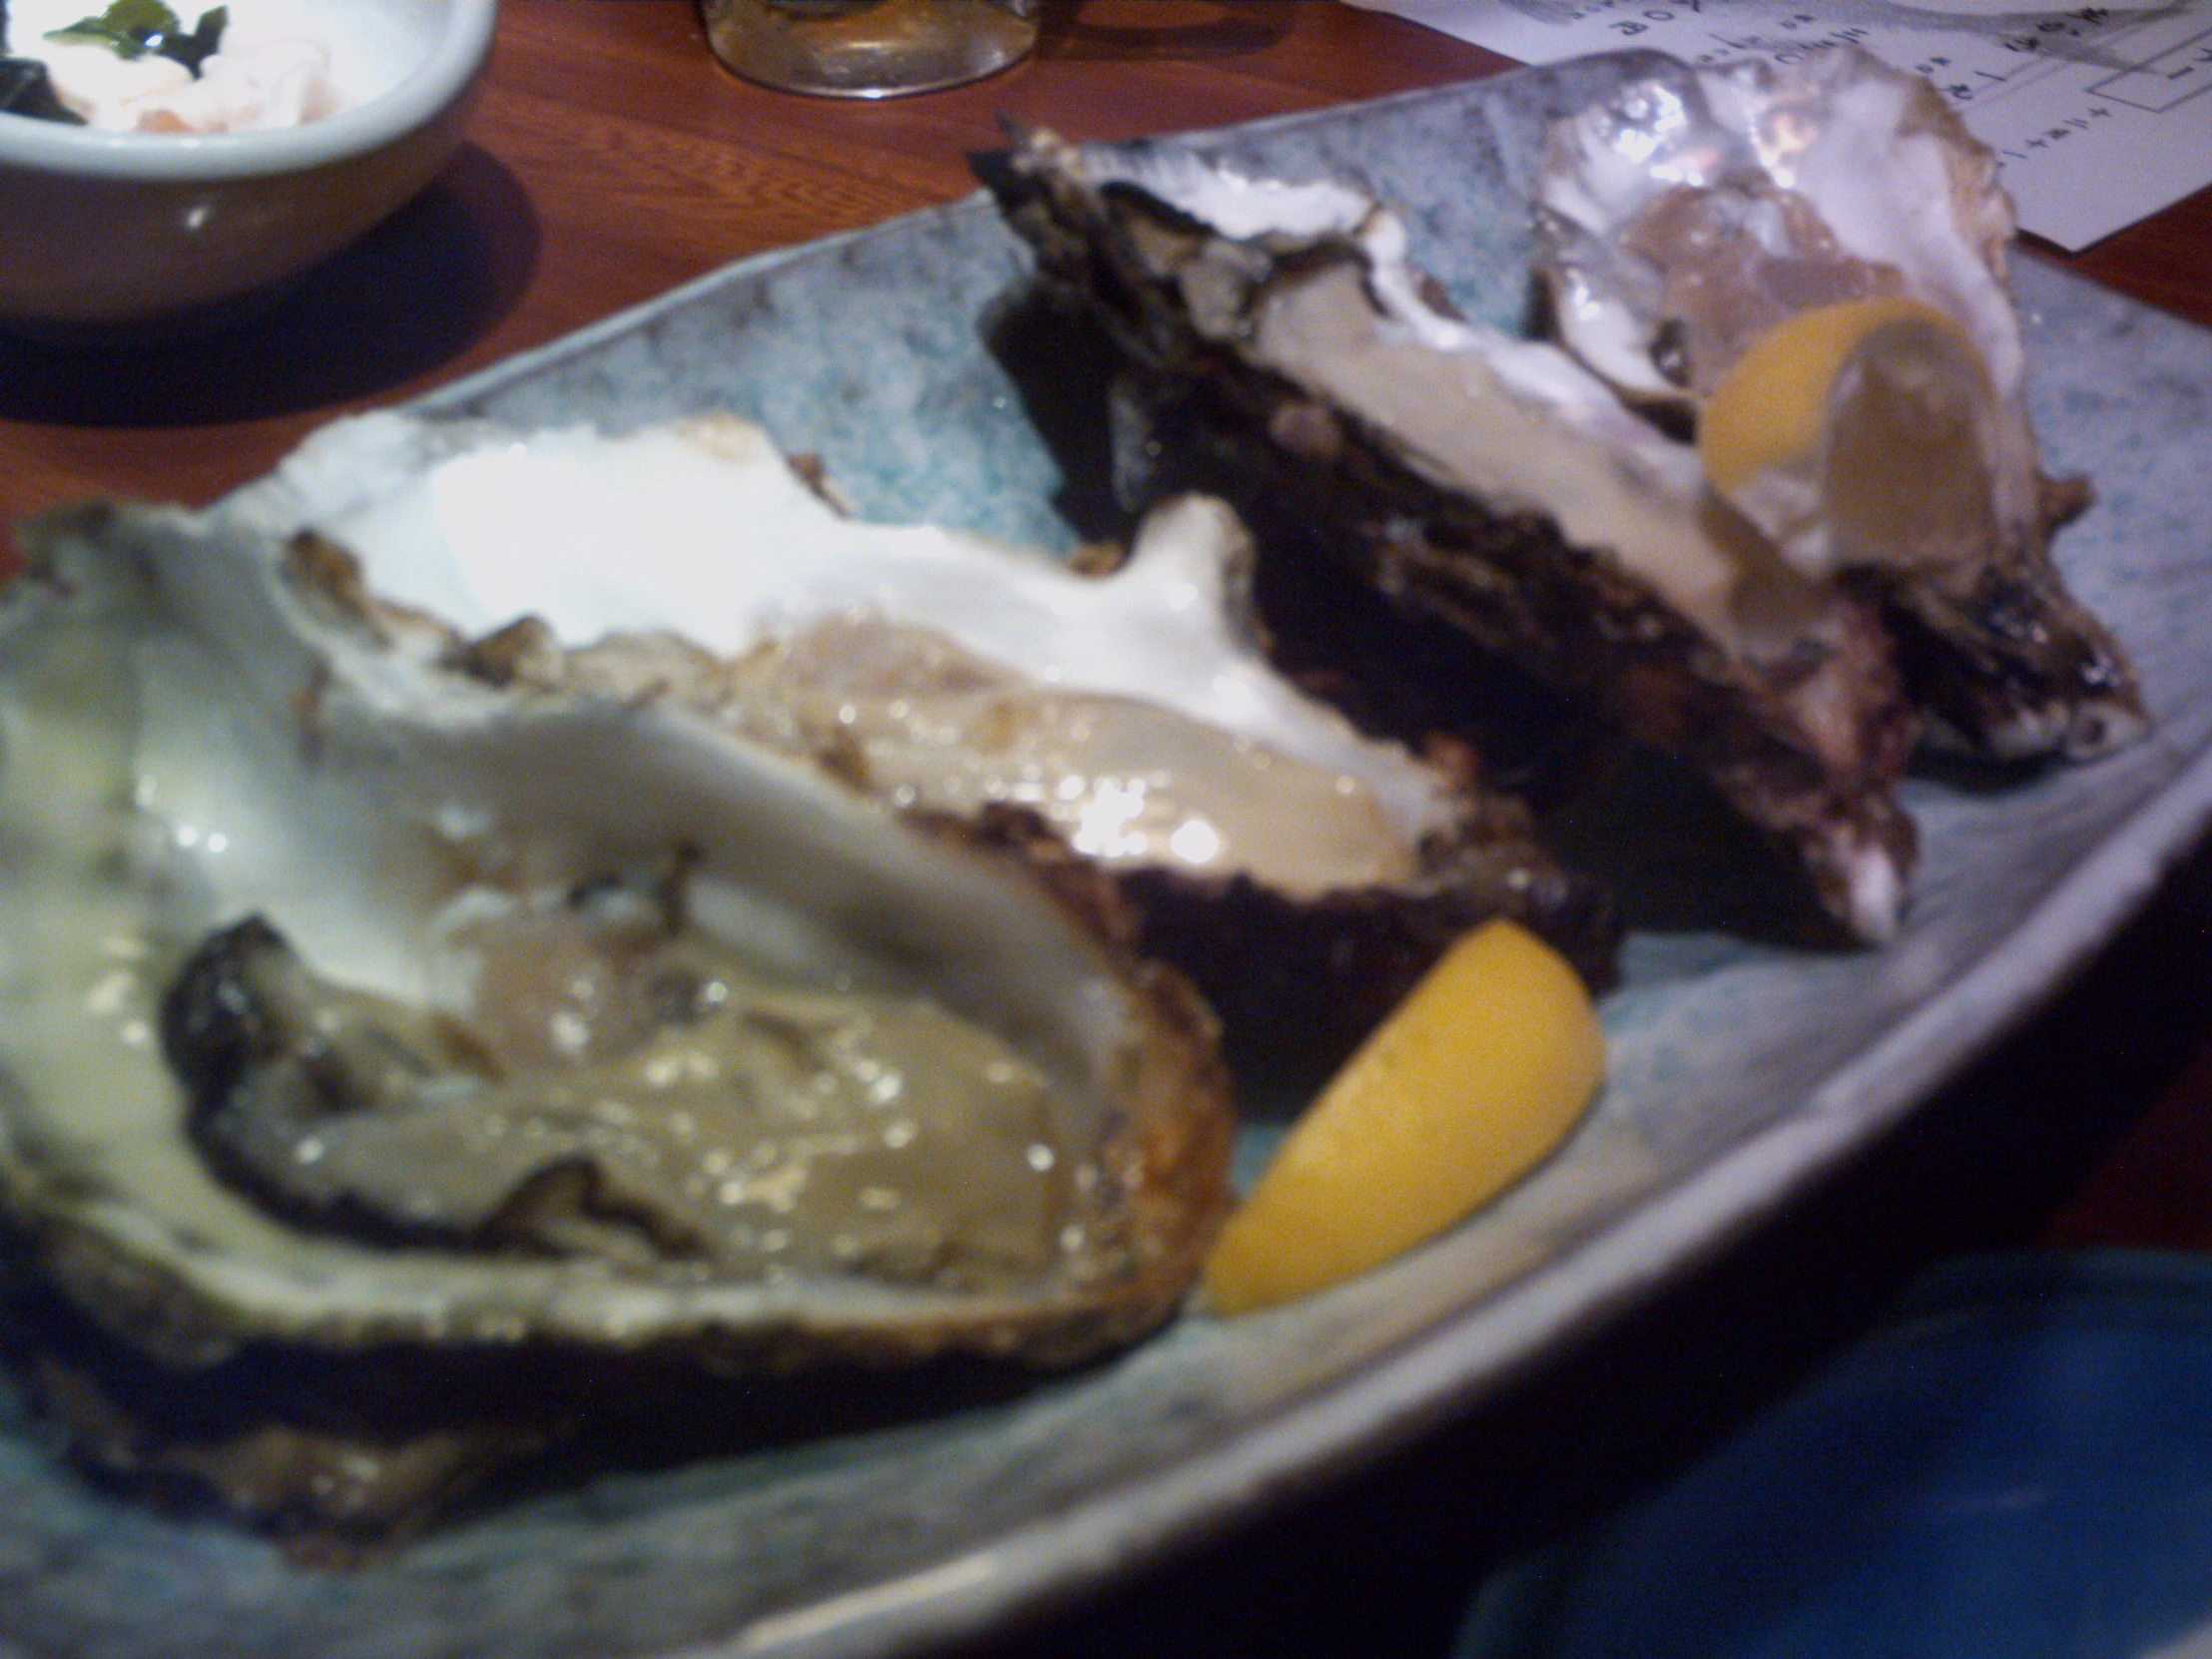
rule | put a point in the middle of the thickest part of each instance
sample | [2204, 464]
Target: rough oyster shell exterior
[1286, 351]
[201, 727]
[1691, 212]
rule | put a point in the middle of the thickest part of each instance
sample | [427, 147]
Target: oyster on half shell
[1281, 342]
[353, 1005]
[1301, 872]
[1805, 262]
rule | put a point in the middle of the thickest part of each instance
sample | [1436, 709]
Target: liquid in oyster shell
[790, 1082]
[1301, 872]
[1693, 213]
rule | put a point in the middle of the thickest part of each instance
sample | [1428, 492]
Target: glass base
[869, 48]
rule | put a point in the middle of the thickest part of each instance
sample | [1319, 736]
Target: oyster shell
[1302, 872]
[506, 1019]
[1805, 262]
[1282, 339]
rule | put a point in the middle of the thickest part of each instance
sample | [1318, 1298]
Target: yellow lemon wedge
[1473, 1078]
[1768, 409]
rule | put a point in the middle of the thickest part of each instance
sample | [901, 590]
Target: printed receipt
[2101, 114]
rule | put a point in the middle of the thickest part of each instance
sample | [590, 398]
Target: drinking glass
[869, 48]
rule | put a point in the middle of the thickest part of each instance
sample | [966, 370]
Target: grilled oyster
[1805, 262]
[352, 1005]
[1280, 335]
[1301, 873]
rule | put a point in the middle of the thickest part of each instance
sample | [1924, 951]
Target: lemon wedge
[1473, 1080]
[1769, 409]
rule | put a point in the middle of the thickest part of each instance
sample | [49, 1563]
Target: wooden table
[611, 159]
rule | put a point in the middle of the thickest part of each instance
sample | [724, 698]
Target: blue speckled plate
[2017, 1466]
[1739, 1070]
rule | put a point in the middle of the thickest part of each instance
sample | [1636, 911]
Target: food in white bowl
[142, 67]
[123, 219]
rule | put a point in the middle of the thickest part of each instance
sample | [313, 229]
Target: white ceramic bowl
[100, 228]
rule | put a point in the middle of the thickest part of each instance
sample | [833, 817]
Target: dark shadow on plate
[413, 294]
[1679, 859]
[1061, 362]
[1234, 28]
[1982, 774]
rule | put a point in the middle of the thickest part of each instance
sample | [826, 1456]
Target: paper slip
[2101, 114]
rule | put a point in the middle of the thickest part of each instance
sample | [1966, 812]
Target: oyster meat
[1804, 263]
[350, 1005]
[1301, 872]
[1284, 348]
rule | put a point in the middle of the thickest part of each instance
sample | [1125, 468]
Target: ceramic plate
[1740, 1069]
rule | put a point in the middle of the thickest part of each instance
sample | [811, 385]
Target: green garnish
[134, 28]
